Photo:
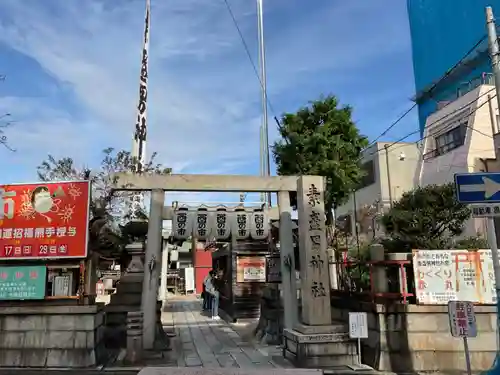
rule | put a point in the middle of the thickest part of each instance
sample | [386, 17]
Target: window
[368, 178]
[448, 141]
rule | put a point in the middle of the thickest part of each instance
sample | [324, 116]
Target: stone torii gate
[316, 310]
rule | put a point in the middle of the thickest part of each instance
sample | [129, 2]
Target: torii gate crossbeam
[205, 183]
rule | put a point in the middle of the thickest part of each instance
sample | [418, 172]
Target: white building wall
[403, 159]
[474, 110]
[481, 117]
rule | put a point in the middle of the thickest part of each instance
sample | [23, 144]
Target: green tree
[321, 139]
[64, 169]
[425, 218]
[473, 242]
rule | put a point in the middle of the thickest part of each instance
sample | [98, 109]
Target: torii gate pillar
[314, 272]
[152, 266]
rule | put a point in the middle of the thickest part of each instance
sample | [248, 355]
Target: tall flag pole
[139, 149]
[140, 134]
[264, 131]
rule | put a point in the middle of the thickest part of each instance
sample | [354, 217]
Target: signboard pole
[492, 241]
[359, 350]
[484, 188]
[463, 324]
[467, 356]
[358, 329]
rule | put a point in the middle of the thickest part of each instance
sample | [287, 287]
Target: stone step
[129, 288]
[225, 371]
[321, 361]
[125, 299]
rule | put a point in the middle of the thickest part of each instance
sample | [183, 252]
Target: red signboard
[48, 220]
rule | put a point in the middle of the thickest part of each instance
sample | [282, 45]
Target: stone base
[321, 330]
[319, 350]
[115, 334]
[52, 336]
[127, 298]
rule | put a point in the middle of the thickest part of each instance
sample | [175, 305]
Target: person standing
[214, 294]
[205, 295]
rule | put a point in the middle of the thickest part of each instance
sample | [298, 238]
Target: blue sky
[72, 71]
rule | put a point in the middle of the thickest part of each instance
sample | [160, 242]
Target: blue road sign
[478, 187]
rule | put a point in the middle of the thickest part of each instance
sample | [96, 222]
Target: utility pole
[389, 184]
[266, 165]
[492, 238]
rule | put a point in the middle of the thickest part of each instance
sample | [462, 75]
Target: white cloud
[203, 95]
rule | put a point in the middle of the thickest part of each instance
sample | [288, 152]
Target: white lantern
[182, 224]
[203, 228]
[222, 224]
[259, 225]
[241, 225]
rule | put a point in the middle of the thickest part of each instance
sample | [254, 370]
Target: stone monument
[129, 290]
[315, 342]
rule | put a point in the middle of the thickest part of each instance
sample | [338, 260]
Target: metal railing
[466, 87]
[356, 278]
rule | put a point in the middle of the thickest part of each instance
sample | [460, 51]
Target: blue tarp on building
[442, 32]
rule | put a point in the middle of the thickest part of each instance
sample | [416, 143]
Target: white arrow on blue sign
[478, 187]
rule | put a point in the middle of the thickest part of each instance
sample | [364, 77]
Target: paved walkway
[203, 342]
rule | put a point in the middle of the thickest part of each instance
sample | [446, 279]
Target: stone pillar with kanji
[316, 341]
[314, 272]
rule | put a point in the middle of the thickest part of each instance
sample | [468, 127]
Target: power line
[249, 55]
[400, 118]
[390, 127]
[429, 92]
[441, 119]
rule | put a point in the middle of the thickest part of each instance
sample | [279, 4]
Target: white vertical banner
[140, 133]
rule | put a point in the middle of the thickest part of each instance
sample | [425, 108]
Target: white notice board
[189, 279]
[454, 275]
[358, 325]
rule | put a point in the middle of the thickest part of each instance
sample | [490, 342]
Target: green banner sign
[25, 282]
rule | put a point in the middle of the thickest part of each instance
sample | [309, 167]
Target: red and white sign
[47, 220]
[462, 319]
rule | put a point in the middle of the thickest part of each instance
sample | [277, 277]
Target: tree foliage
[113, 161]
[475, 242]
[425, 218]
[321, 139]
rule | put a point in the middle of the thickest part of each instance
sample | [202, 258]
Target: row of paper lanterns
[220, 224]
